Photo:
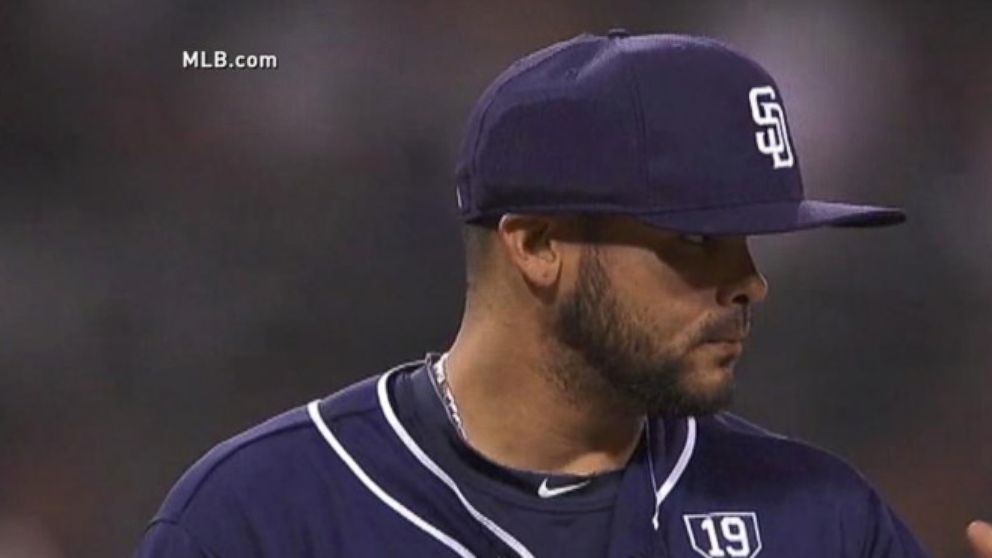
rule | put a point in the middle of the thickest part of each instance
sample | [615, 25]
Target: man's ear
[533, 246]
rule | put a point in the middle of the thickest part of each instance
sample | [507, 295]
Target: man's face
[660, 316]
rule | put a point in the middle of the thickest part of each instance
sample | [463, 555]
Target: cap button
[617, 33]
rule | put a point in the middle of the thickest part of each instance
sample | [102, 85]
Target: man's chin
[707, 403]
[684, 403]
[702, 392]
[702, 384]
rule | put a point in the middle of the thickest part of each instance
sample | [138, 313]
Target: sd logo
[724, 534]
[774, 139]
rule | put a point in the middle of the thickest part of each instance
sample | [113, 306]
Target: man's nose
[745, 284]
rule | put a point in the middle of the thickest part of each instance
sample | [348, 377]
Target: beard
[617, 352]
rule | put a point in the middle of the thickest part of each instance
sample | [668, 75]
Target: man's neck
[516, 415]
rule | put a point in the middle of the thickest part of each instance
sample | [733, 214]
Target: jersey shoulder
[763, 454]
[745, 463]
[277, 453]
[251, 448]
[255, 490]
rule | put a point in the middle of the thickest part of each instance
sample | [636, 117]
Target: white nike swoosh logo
[544, 492]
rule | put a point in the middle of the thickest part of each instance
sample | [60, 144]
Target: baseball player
[607, 185]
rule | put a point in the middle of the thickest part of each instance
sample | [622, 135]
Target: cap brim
[775, 217]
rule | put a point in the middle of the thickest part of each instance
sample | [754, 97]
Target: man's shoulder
[291, 474]
[268, 459]
[761, 453]
[802, 486]
[240, 456]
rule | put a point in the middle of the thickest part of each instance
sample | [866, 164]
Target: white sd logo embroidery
[774, 138]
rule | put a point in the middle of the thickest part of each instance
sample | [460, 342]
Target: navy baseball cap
[682, 132]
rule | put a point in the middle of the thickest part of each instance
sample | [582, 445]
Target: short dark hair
[477, 240]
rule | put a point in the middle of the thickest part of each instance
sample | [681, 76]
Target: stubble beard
[611, 357]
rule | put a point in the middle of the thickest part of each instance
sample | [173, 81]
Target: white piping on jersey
[314, 410]
[427, 462]
[654, 481]
[680, 466]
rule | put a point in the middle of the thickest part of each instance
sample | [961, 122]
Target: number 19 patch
[724, 534]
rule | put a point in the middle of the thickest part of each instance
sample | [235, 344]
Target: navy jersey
[376, 469]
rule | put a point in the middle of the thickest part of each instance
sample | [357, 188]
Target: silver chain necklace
[448, 398]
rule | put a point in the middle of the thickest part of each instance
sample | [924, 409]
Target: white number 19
[734, 532]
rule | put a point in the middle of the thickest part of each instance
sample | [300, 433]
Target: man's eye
[697, 239]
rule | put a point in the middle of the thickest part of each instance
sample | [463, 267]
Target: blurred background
[184, 253]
